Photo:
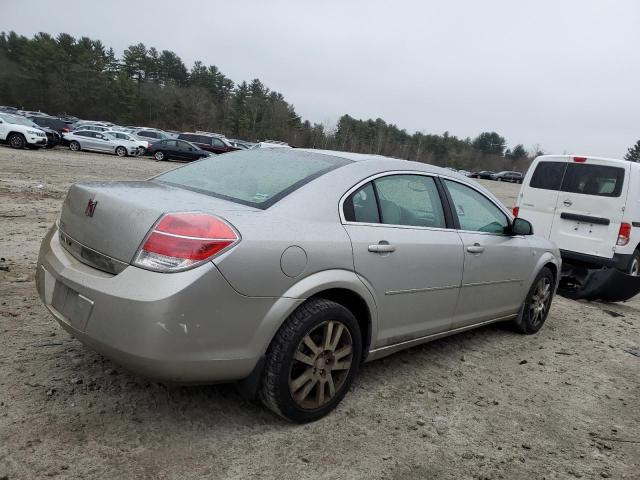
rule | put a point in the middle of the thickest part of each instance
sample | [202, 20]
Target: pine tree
[633, 154]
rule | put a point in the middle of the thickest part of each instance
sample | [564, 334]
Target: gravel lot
[485, 404]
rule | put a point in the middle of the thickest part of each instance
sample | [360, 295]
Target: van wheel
[16, 140]
[634, 265]
[535, 309]
[311, 361]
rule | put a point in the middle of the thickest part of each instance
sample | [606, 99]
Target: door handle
[382, 248]
[475, 248]
[567, 203]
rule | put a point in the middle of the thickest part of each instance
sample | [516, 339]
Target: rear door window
[410, 200]
[600, 180]
[548, 175]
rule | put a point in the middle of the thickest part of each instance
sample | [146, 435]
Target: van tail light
[624, 234]
[516, 211]
[580, 159]
[180, 241]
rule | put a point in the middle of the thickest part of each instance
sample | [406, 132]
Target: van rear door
[539, 196]
[590, 206]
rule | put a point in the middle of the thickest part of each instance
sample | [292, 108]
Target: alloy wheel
[16, 141]
[121, 151]
[159, 156]
[321, 364]
[540, 301]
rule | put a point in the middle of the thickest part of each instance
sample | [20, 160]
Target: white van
[590, 207]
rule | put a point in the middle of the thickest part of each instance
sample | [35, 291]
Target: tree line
[144, 86]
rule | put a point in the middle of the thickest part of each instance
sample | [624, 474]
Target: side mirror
[520, 226]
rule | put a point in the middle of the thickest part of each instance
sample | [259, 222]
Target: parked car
[508, 176]
[237, 268]
[590, 207]
[100, 142]
[176, 150]
[241, 144]
[149, 135]
[53, 137]
[211, 143]
[483, 174]
[92, 127]
[143, 145]
[51, 122]
[19, 132]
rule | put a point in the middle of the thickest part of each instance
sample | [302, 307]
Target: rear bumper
[187, 327]
[619, 260]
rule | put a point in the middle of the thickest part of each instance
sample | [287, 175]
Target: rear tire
[311, 361]
[634, 266]
[17, 140]
[74, 146]
[159, 156]
[536, 306]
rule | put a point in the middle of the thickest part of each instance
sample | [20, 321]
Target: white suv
[590, 207]
[19, 132]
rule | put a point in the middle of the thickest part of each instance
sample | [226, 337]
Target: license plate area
[74, 307]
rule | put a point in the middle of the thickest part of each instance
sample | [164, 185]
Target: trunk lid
[121, 213]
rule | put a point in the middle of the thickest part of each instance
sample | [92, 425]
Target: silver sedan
[286, 269]
[101, 142]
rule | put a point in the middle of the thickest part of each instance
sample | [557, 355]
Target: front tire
[159, 156]
[17, 140]
[311, 361]
[536, 306]
[74, 146]
[121, 151]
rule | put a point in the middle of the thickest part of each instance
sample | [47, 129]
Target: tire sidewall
[285, 403]
[634, 257]
[72, 148]
[161, 155]
[119, 150]
[523, 321]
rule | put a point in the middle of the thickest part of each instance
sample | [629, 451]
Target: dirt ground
[487, 404]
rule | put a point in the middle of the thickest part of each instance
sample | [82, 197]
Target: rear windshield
[599, 180]
[258, 178]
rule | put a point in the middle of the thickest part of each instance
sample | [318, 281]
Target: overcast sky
[562, 74]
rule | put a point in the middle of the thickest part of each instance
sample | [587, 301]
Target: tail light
[65, 130]
[516, 210]
[624, 234]
[184, 240]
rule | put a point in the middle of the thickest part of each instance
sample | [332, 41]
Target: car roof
[384, 162]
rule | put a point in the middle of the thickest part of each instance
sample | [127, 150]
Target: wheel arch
[340, 286]
[357, 306]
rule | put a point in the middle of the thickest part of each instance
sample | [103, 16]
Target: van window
[548, 175]
[598, 180]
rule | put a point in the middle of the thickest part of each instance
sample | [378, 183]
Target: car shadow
[119, 395]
